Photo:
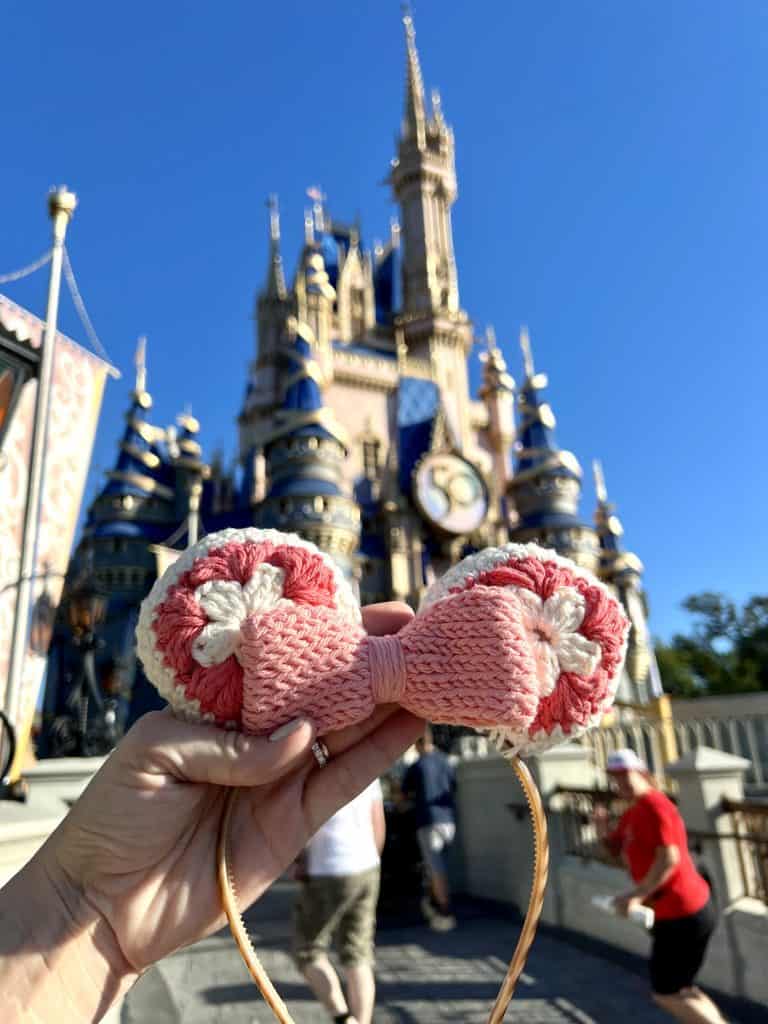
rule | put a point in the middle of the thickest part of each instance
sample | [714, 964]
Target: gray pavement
[422, 976]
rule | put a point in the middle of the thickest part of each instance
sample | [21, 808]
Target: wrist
[59, 959]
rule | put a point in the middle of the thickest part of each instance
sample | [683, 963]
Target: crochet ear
[576, 628]
[189, 630]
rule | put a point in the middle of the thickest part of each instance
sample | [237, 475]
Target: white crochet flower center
[162, 675]
[227, 604]
[509, 741]
[552, 627]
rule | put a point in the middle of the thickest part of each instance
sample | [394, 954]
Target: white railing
[736, 725]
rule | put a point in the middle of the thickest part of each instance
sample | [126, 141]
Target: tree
[726, 650]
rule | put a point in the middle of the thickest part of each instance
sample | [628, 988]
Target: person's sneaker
[427, 909]
[442, 922]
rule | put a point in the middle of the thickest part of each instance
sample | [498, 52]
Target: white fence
[736, 724]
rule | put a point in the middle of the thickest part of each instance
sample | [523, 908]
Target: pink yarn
[480, 657]
[179, 619]
[465, 660]
[574, 700]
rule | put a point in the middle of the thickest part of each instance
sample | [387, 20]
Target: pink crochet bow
[252, 628]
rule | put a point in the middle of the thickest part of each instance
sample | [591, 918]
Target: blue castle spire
[142, 476]
[305, 452]
[546, 485]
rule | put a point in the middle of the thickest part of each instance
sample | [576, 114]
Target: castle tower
[273, 305]
[497, 393]
[314, 302]
[191, 471]
[546, 486]
[623, 572]
[304, 454]
[135, 509]
[423, 179]
[138, 502]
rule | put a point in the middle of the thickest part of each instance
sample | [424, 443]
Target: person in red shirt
[652, 842]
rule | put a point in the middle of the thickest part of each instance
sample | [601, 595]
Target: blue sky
[612, 174]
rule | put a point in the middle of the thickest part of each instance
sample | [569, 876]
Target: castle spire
[623, 571]
[140, 394]
[305, 449]
[546, 486]
[275, 277]
[525, 346]
[415, 118]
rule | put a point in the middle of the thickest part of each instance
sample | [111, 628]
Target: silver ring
[321, 753]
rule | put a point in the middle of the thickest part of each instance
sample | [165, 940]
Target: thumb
[160, 744]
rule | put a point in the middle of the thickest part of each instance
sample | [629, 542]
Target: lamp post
[86, 609]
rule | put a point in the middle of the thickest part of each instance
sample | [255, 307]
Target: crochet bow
[253, 628]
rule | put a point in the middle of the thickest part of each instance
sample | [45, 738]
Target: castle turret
[273, 305]
[497, 392]
[304, 452]
[424, 182]
[135, 509]
[138, 502]
[191, 471]
[546, 485]
[423, 179]
[623, 571]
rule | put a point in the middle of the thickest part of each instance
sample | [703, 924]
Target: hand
[139, 847]
[626, 902]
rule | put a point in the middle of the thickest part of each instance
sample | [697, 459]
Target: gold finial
[402, 350]
[525, 345]
[274, 218]
[414, 123]
[187, 421]
[309, 228]
[600, 489]
[140, 362]
[410, 31]
[318, 198]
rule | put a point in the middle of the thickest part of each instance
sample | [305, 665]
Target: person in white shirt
[339, 872]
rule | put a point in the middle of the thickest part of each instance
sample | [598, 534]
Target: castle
[358, 429]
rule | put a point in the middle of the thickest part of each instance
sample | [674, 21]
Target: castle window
[357, 312]
[371, 451]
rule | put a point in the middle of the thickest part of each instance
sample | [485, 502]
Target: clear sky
[613, 181]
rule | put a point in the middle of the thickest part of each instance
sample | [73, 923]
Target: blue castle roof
[418, 402]
[304, 393]
[537, 442]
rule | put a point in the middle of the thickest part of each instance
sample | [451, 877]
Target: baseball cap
[625, 760]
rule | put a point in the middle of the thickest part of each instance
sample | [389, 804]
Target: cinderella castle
[358, 429]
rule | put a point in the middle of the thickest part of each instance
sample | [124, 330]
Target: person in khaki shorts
[339, 874]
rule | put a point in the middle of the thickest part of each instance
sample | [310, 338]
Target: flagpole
[61, 206]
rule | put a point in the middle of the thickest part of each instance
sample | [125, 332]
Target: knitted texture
[467, 660]
[257, 630]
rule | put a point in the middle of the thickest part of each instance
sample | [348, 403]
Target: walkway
[422, 977]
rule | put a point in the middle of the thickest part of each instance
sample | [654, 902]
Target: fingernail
[287, 729]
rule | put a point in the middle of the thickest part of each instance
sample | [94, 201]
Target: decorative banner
[76, 392]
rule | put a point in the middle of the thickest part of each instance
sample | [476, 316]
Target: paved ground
[422, 977]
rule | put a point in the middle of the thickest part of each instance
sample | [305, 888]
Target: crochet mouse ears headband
[251, 628]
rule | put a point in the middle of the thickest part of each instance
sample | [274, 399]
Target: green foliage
[725, 652]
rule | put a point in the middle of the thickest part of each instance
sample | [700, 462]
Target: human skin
[129, 876]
